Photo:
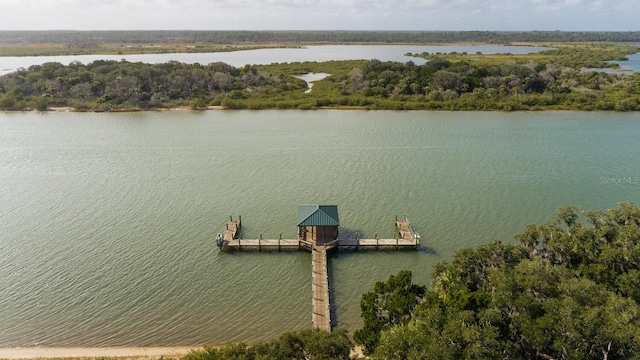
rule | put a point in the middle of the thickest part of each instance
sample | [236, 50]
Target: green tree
[390, 303]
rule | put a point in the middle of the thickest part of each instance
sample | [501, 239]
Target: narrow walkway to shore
[321, 317]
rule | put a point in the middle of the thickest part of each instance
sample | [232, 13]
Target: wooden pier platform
[271, 244]
[321, 316]
[231, 233]
[405, 238]
[406, 231]
[377, 244]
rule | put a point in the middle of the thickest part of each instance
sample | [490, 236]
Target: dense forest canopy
[569, 290]
[232, 37]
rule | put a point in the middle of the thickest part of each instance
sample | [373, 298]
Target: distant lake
[633, 64]
[109, 219]
[269, 56]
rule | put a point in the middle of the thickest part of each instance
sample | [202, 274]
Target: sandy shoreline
[128, 352]
[147, 353]
[179, 108]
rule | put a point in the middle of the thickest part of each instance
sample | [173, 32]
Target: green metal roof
[318, 215]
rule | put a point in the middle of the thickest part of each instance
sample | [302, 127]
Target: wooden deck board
[321, 315]
[377, 242]
[263, 242]
[404, 229]
[232, 230]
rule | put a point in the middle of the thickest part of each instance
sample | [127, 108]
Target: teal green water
[108, 220]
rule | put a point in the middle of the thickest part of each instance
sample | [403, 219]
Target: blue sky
[513, 15]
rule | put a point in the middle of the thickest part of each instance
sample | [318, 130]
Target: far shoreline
[343, 108]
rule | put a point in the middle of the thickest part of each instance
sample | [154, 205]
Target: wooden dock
[321, 316]
[405, 238]
[231, 232]
[405, 231]
[270, 244]
[377, 244]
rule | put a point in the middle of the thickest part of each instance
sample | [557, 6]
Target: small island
[562, 78]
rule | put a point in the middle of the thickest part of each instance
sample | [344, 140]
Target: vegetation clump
[569, 290]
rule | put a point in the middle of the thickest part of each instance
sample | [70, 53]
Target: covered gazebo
[318, 223]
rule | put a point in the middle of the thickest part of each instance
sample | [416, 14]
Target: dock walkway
[321, 317]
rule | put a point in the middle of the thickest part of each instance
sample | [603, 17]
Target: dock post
[279, 239]
[239, 245]
[357, 241]
[259, 243]
[230, 218]
[376, 241]
[239, 220]
[396, 244]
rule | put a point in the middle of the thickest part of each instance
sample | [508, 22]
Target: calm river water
[109, 220]
[268, 56]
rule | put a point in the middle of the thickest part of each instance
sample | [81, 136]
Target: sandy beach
[121, 352]
[147, 353]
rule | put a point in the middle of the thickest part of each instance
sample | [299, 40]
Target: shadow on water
[423, 249]
[348, 234]
[333, 309]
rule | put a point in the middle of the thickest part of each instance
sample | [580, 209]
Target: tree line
[263, 37]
